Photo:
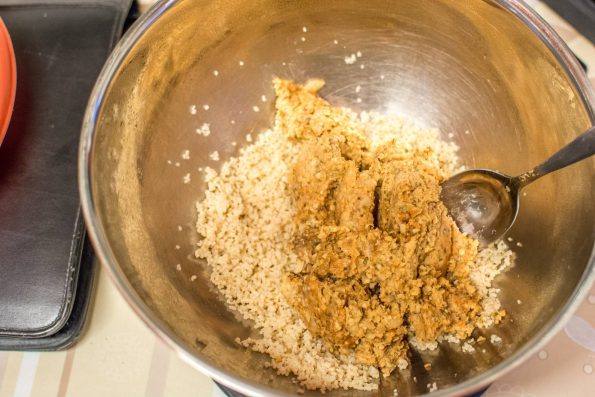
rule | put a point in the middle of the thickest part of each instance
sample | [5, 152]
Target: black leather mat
[45, 261]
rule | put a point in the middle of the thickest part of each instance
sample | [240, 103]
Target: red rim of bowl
[8, 79]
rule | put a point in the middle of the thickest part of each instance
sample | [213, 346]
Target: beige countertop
[119, 356]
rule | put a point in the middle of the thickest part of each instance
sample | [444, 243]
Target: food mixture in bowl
[329, 235]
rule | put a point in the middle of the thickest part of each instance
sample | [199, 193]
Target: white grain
[214, 155]
[350, 59]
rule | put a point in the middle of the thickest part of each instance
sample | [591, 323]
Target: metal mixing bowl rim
[103, 250]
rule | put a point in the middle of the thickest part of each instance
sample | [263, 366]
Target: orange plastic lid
[8, 79]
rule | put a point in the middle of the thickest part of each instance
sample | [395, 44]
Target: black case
[46, 264]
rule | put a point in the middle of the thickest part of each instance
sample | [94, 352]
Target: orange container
[8, 79]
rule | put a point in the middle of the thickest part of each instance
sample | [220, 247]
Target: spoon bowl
[483, 203]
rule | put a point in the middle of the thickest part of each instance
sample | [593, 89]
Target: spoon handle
[580, 148]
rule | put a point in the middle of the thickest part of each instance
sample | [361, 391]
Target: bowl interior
[472, 69]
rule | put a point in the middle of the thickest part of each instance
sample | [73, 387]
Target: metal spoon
[485, 203]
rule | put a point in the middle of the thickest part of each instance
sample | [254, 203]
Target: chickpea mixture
[383, 259]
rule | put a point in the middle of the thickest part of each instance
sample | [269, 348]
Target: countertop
[119, 356]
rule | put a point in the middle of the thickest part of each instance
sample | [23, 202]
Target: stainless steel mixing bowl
[490, 72]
